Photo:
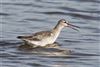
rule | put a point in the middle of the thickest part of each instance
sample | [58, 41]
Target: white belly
[44, 42]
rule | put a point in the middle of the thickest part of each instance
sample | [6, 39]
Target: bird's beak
[73, 26]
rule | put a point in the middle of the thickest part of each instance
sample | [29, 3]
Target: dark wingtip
[19, 37]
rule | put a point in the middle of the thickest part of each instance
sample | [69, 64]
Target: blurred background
[24, 17]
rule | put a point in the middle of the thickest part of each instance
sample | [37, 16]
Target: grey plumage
[37, 36]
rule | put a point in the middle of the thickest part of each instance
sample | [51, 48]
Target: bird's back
[37, 36]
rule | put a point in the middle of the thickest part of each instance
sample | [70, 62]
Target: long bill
[74, 27]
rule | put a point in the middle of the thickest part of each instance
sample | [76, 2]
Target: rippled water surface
[23, 17]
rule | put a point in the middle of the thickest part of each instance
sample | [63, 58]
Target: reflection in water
[55, 57]
[28, 16]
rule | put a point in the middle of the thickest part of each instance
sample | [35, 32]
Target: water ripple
[73, 14]
[85, 54]
[5, 14]
[78, 10]
[17, 19]
[94, 1]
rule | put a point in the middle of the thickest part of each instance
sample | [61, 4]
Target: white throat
[56, 31]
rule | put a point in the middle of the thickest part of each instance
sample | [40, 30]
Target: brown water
[22, 17]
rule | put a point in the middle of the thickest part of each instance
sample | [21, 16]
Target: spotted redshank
[47, 37]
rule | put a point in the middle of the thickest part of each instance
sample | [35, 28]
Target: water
[23, 17]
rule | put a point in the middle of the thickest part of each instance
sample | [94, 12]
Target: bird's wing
[27, 38]
[42, 35]
[37, 36]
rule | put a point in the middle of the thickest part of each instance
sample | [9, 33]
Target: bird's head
[65, 23]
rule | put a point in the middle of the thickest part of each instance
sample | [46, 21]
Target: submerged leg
[54, 45]
[27, 45]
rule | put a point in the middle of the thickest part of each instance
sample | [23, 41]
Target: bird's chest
[52, 39]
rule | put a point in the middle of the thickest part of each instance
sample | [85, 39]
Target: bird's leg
[54, 45]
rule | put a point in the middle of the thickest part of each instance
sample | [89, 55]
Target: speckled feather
[37, 36]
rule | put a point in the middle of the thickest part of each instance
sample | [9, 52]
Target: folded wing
[37, 36]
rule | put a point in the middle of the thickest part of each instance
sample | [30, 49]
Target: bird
[43, 38]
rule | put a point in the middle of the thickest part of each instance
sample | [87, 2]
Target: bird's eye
[64, 21]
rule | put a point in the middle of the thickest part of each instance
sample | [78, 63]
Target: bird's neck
[57, 29]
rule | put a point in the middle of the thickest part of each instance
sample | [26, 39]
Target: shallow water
[23, 17]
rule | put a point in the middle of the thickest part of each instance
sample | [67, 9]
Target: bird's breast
[52, 39]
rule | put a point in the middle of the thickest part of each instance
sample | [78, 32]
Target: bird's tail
[23, 37]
